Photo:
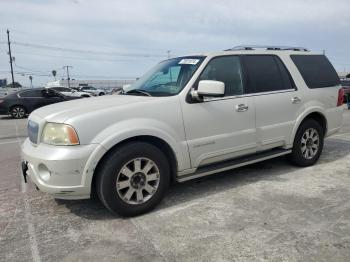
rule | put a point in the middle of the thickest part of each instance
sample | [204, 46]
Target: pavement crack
[144, 234]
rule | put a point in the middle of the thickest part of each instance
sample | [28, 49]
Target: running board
[235, 163]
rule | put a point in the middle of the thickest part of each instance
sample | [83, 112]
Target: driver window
[226, 69]
[50, 93]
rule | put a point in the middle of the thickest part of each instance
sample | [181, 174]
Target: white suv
[187, 118]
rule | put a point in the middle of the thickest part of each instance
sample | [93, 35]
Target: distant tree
[54, 73]
[348, 76]
[16, 84]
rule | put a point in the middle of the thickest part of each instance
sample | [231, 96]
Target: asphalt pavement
[269, 211]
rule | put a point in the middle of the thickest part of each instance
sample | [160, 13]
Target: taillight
[341, 94]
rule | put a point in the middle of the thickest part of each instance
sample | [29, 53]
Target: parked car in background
[115, 91]
[21, 103]
[188, 117]
[346, 86]
[4, 91]
[70, 92]
[92, 90]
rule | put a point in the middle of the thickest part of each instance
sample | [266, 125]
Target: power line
[71, 50]
[87, 58]
[39, 37]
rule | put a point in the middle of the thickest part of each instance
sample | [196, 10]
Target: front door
[219, 129]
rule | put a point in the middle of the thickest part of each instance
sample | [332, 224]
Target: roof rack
[274, 48]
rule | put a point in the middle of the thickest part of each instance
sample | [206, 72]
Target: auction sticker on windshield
[188, 61]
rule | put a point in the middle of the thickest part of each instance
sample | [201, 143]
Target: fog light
[44, 172]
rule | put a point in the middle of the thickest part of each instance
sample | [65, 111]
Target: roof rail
[275, 48]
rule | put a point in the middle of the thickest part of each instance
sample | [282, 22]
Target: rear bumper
[59, 171]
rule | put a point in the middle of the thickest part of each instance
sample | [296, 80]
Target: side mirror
[209, 88]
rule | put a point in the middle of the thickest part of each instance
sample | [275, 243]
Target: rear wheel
[308, 144]
[18, 112]
[133, 179]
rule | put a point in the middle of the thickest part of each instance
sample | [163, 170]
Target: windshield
[168, 77]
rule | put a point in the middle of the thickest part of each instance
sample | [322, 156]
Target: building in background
[343, 75]
[3, 82]
[100, 84]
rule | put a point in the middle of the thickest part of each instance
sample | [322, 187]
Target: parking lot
[269, 211]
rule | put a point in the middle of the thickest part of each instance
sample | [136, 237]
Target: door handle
[241, 108]
[296, 100]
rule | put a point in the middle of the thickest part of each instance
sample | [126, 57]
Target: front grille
[33, 129]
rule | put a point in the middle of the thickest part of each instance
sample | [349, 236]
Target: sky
[113, 39]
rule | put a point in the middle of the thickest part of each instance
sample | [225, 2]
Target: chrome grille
[33, 129]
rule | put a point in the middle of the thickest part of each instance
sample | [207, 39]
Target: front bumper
[3, 111]
[62, 171]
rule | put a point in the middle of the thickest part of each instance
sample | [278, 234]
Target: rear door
[276, 99]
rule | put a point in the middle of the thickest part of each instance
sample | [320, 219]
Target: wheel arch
[14, 105]
[156, 141]
[317, 115]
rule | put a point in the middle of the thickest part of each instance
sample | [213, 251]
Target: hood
[63, 111]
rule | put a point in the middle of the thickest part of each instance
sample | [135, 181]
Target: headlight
[59, 135]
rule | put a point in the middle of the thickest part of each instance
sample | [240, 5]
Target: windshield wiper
[138, 91]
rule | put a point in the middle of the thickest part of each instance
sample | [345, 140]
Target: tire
[101, 94]
[18, 112]
[308, 144]
[119, 180]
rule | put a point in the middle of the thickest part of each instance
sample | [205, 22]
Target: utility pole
[168, 52]
[9, 44]
[31, 81]
[67, 68]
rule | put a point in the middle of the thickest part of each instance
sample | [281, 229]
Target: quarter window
[316, 70]
[226, 69]
[266, 73]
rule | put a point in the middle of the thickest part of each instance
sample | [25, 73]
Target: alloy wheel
[138, 181]
[18, 112]
[310, 143]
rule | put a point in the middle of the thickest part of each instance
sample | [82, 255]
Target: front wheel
[308, 144]
[133, 179]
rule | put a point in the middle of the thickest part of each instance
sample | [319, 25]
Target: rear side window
[31, 93]
[316, 70]
[266, 73]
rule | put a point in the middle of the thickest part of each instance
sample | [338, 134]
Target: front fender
[126, 129]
